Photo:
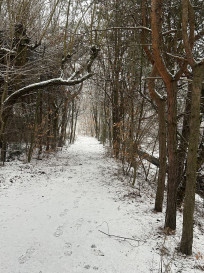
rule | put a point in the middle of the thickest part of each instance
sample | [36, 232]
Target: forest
[129, 73]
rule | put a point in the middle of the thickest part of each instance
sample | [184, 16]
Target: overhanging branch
[73, 80]
[31, 87]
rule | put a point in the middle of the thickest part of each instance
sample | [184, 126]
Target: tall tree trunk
[3, 146]
[116, 68]
[189, 203]
[55, 127]
[3, 142]
[95, 118]
[116, 121]
[75, 124]
[162, 157]
[72, 122]
[201, 146]
[48, 133]
[63, 123]
[182, 150]
[171, 86]
[40, 120]
[33, 133]
[161, 103]
[170, 219]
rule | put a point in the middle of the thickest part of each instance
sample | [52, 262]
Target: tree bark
[160, 101]
[182, 150]
[63, 123]
[189, 203]
[170, 219]
[171, 86]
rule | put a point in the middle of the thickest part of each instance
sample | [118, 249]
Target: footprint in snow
[67, 249]
[64, 212]
[76, 203]
[97, 252]
[25, 257]
[79, 223]
[59, 231]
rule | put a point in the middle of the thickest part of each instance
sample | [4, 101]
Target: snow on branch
[6, 50]
[71, 81]
[10, 100]
[136, 28]
[125, 28]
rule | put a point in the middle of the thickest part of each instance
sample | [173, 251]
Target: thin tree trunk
[75, 124]
[182, 150]
[170, 219]
[55, 128]
[48, 127]
[116, 121]
[40, 119]
[160, 101]
[162, 158]
[33, 133]
[72, 123]
[63, 124]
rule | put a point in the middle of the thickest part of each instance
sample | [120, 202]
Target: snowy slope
[56, 215]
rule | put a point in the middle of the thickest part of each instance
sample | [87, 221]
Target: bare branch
[199, 35]
[177, 57]
[169, 32]
[7, 51]
[125, 28]
[121, 237]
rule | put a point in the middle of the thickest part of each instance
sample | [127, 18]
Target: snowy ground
[56, 214]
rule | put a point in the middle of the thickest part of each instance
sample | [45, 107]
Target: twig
[120, 237]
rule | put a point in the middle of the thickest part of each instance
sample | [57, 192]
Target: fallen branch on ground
[121, 237]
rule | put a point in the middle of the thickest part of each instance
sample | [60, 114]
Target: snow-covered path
[53, 211]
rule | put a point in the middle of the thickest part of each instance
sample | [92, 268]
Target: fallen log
[155, 161]
[148, 157]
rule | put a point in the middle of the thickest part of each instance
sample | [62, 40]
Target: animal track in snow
[25, 257]
[59, 231]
